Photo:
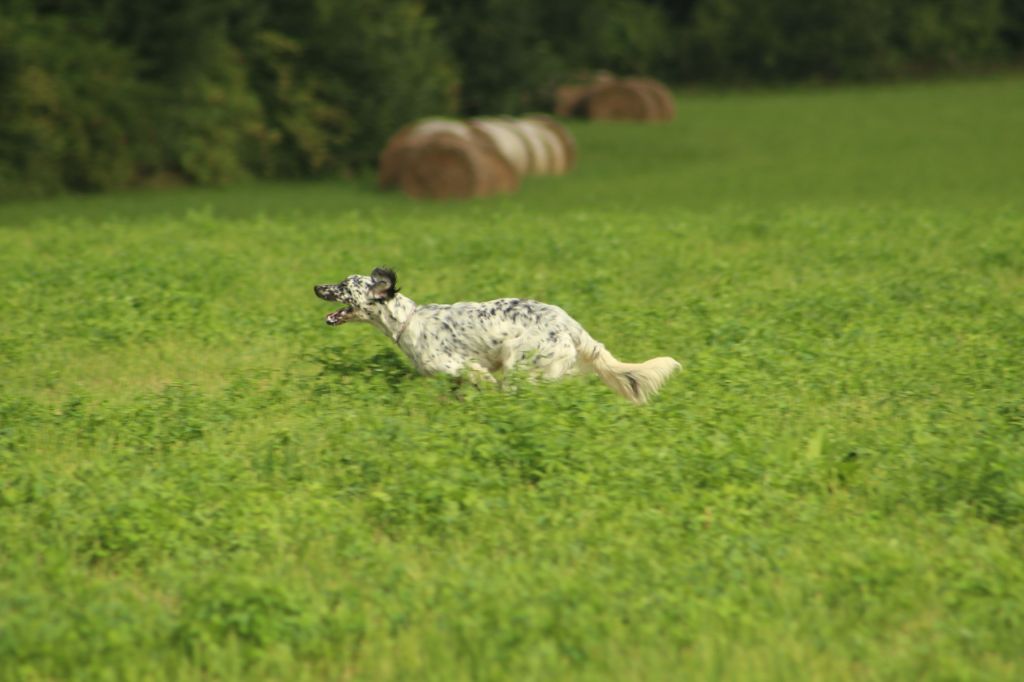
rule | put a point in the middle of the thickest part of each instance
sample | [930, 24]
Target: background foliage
[98, 95]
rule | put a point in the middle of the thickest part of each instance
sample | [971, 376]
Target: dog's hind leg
[558, 360]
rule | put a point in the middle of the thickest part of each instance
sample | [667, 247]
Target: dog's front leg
[477, 373]
[472, 373]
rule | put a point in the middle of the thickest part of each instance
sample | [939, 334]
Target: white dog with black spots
[488, 338]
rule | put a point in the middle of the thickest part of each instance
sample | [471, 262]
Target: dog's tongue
[337, 317]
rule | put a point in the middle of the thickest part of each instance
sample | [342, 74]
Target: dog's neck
[394, 315]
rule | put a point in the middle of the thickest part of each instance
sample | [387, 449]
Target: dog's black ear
[383, 286]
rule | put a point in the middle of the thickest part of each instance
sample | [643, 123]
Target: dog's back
[495, 335]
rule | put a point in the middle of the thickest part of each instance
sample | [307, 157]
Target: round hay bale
[500, 176]
[554, 151]
[562, 133]
[621, 101]
[440, 168]
[435, 126]
[499, 135]
[448, 166]
[392, 158]
[398, 147]
[570, 99]
[664, 102]
[536, 146]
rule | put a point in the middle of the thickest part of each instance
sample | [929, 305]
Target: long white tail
[634, 381]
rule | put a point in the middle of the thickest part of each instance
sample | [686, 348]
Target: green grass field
[201, 480]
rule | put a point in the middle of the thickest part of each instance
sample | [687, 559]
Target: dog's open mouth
[339, 316]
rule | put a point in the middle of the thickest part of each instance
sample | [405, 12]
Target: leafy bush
[210, 119]
[944, 34]
[194, 105]
[507, 60]
[1013, 27]
[304, 132]
[624, 36]
[780, 40]
[360, 68]
[71, 102]
[105, 95]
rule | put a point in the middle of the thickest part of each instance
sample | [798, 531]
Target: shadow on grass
[385, 363]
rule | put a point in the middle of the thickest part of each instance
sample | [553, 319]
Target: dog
[488, 338]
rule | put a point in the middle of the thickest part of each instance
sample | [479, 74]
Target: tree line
[101, 94]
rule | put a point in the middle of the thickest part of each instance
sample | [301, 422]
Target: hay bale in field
[400, 145]
[448, 159]
[450, 166]
[570, 98]
[562, 133]
[502, 177]
[621, 101]
[665, 104]
[616, 99]
[553, 161]
[536, 147]
[532, 145]
[500, 134]
[392, 157]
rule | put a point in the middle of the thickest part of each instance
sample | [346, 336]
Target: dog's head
[359, 295]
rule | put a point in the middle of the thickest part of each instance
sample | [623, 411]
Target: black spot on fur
[634, 387]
